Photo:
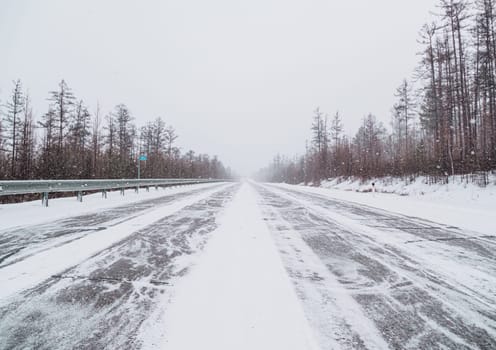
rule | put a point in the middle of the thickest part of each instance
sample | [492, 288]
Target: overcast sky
[238, 79]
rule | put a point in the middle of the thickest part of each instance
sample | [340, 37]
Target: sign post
[144, 158]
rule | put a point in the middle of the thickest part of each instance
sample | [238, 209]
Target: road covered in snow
[245, 266]
[374, 279]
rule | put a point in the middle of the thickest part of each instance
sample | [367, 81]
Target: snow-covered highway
[374, 279]
[243, 266]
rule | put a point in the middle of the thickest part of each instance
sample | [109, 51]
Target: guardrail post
[44, 199]
[80, 196]
[104, 194]
[136, 189]
[147, 188]
[122, 191]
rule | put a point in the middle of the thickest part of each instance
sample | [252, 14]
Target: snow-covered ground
[250, 266]
[457, 203]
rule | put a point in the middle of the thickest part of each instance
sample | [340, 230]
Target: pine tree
[79, 133]
[26, 147]
[403, 114]
[96, 144]
[49, 150]
[62, 104]
[125, 133]
[15, 107]
[170, 139]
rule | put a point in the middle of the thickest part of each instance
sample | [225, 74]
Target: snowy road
[373, 279]
[247, 266]
[101, 302]
[20, 242]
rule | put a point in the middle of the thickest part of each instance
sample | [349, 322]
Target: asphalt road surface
[366, 278]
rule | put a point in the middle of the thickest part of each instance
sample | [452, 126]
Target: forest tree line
[70, 142]
[444, 119]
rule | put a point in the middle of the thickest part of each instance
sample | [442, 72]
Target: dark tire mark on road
[425, 230]
[67, 230]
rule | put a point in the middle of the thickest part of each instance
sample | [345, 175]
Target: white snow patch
[238, 296]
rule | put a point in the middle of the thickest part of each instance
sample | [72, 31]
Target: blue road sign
[143, 157]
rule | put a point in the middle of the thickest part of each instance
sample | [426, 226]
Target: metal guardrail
[44, 187]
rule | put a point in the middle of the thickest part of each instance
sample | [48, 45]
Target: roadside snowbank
[457, 203]
[457, 189]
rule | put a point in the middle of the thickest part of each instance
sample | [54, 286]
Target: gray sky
[239, 79]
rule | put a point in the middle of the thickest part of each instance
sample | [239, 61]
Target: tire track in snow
[423, 230]
[19, 243]
[444, 254]
[337, 319]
